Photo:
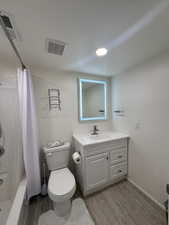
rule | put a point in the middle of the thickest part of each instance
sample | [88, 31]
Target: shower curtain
[29, 132]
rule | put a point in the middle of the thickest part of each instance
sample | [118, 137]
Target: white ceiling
[132, 30]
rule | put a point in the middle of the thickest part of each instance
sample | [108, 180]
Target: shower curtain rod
[11, 42]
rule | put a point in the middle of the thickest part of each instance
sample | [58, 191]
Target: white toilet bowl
[61, 188]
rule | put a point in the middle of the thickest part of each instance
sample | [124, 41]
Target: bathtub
[11, 213]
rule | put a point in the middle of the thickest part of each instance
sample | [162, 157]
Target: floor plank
[120, 204]
[38, 206]
[123, 204]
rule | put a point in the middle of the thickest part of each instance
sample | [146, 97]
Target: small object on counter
[56, 143]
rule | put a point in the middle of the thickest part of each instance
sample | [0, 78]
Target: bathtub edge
[17, 206]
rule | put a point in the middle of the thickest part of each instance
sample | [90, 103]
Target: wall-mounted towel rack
[54, 99]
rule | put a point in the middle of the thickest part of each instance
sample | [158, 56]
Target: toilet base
[62, 209]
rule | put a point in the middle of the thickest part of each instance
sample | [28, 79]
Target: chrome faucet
[95, 130]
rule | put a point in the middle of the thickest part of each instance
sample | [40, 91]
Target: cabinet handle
[107, 157]
[119, 171]
[120, 156]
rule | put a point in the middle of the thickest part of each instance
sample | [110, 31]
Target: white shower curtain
[30, 138]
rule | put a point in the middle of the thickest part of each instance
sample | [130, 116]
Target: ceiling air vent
[9, 24]
[55, 47]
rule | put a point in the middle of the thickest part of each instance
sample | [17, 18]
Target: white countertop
[88, 139]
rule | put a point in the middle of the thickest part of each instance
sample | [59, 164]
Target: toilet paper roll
[76, 157]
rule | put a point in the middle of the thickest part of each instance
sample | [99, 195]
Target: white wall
[11, 163]
[143, 93]
[61, 125]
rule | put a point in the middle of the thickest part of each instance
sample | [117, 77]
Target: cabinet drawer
[104, 147]
[118, 170]
[121, 143]
[117, 156]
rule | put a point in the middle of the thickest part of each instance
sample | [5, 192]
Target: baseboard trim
[146, 194]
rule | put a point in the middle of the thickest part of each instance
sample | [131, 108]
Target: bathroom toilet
[61, 185]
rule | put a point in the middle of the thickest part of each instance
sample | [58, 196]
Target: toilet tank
[57, 157]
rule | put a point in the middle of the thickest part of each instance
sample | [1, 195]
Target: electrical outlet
[137, 126]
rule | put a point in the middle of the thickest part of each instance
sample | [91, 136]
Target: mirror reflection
[92, 100]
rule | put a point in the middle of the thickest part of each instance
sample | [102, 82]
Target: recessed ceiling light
[101, 51]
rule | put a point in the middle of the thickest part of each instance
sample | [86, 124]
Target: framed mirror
[92, 100]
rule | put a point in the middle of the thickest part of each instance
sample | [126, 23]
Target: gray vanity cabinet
[102, 164]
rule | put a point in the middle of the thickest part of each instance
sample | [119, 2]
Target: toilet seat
[62, 185]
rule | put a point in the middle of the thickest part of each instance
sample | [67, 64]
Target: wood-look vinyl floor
[37, 206]
[123, 204]
[120, 204]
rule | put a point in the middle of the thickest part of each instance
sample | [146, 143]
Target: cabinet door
[118, 170]
[96, 170]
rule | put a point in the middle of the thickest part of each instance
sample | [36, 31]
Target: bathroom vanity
[104, 160]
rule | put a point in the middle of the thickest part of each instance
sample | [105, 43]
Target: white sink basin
[98, 136]
[88, 139]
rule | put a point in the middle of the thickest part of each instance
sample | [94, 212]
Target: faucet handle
[95, 128]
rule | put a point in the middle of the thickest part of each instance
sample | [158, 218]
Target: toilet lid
[61, 182]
